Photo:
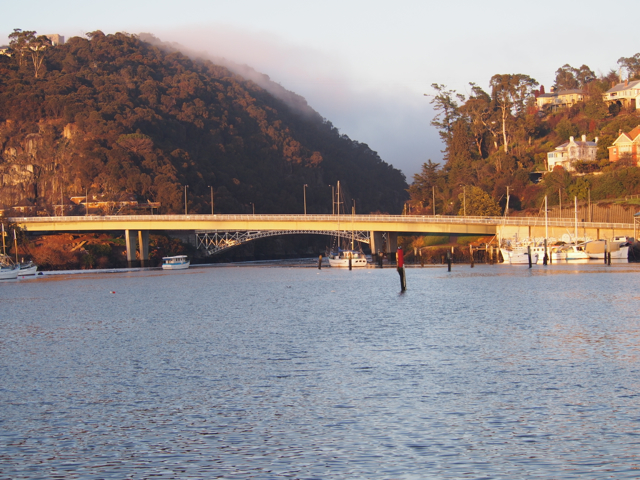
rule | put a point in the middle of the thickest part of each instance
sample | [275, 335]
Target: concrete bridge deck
[389, 223]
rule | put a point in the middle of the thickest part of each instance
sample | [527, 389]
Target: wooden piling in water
[529, 255]
[449, 261]
[320, 262]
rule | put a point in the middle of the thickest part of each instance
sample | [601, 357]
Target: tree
[566, 129]
[565, 78]
[26, 44]
[631, 65]
[569, 78]
[510, 93]
[478, 203]
[480, 115]
[448, 112]
[421, 190]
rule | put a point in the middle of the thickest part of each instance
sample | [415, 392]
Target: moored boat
[518, 255]
[179, 262]
[618, 248]
[341, 258]
[575, 252]
[8, 269]
[27, 268]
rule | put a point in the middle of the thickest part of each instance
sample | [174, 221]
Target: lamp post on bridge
[185, 199]
[304, 193]
[211, 198]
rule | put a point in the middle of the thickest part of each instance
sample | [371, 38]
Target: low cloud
[392, 119]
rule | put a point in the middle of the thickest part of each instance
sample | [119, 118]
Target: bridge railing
[417, 219]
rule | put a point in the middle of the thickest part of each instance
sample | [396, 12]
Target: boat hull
[176, 266]
[9, 273]
[28, 270]
[518, 257]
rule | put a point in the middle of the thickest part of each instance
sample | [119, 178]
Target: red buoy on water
[403, 280]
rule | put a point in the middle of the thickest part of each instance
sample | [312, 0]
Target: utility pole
[433, 192]
[464, 200]
[185, 199]
[304, 194]
[211, 199]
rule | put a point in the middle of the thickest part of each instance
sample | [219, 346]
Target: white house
[569, 152]
[625, 94]
[557, 100]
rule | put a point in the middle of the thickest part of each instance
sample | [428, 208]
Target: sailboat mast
[575, 210]
[546, 222]
[15, 242]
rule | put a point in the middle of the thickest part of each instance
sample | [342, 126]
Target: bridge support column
[392, 247]
[143, 240]
[376, 244]
[130, 238]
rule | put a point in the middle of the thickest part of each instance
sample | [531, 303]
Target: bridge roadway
[391, 225]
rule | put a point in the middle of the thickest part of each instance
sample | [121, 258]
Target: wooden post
[471, 254]
[605, 252]
[529, 255]
[320, 262]
[544, 259]
[349, 260]
[449, 261]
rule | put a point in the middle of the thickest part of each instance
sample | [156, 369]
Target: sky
[365, 65]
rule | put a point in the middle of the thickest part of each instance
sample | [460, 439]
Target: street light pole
[211, 199]
[185, 199]
[304, 193]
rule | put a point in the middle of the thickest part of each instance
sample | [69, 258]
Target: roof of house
[624, 86]
[577, 142]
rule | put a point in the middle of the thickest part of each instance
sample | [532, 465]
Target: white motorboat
[518, 255]
[575, 252]
[341, 258]
[27, 268]
[557, 253]
[618, 248]
[8, 269]
[179, 262]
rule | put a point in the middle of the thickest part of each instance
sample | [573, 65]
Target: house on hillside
[626, 145]
[55, 39]
[560, 99]
[570, 152]
[24, 208]
[625, 95]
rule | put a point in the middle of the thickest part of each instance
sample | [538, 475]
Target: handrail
[512, 221]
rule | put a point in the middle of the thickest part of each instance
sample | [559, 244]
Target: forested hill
[120, 117]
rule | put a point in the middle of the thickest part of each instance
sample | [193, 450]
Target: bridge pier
[143, 241]
[378, 246]
[132, 240]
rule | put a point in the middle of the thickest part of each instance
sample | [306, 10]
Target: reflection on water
[263, 372]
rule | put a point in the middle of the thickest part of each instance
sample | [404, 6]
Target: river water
[495, 372]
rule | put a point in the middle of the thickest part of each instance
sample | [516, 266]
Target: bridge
[215, 233]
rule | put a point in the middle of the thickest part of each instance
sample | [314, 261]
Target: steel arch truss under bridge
[216, 242]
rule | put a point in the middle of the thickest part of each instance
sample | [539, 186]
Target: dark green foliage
[114, 114]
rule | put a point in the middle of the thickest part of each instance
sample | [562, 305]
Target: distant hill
[122, 116]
